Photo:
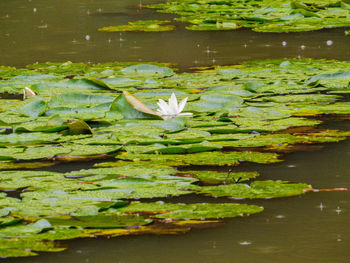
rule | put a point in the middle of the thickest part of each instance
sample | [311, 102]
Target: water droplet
[329, 42]
[87, 37]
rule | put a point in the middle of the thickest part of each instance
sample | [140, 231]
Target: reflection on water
[45, 31]
[309, 228]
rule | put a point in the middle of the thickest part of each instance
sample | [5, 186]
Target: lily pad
[192, 211]
[257, 189]
[141, 25]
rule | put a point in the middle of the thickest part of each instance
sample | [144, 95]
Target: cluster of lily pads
[54, 113]
[259, 15]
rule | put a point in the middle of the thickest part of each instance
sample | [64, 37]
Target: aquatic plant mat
[259, 15]
[73, 112]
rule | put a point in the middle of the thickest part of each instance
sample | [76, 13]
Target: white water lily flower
[172, 108]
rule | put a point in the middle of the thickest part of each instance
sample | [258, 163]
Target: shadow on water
[310, 228]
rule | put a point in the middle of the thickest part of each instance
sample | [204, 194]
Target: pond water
[309, 228]
[39, 30]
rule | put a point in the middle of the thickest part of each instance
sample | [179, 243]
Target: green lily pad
[141, 25]
[131, 108]
[214, 177]
[192, 211]
[214, 158]
[100, 221]
[257, 189]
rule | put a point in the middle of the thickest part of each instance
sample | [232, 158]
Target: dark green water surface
[310, 228]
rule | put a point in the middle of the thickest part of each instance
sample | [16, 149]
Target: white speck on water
[35, 10]
[284, 43]
[87, 37]
[302, 47]
[291, 166]
[280, 216]
[321, 206]
[329, 42]
[245, 243]
[338, 210]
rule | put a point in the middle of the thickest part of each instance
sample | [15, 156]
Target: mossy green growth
[259, 15]
[141, 25]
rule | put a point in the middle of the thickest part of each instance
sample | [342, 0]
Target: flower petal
[182, 104]
[173, 104]
[163, 107]
[185, 114]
